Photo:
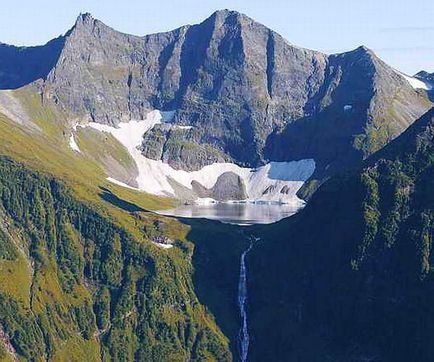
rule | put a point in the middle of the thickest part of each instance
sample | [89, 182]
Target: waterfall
[242, 303]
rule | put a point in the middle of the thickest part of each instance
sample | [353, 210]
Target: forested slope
[76, 286]
[350, 278]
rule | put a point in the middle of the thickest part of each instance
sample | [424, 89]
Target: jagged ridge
[248, 94]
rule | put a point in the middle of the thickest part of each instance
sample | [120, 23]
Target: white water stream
[242, 303]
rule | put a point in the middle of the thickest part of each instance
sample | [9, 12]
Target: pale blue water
[237, 213]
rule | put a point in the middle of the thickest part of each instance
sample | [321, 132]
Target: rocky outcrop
[428, 79]
[229, 186]
[423, 75]
[180, 148]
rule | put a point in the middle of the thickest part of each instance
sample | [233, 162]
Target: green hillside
[75, 285]
[80, 278]
[350, 278]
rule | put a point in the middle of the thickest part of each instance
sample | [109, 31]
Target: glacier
[416, 83]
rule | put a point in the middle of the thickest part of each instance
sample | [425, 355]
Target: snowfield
[417, 83]
[163, 246]
[120, 183]
[263, 184]
[73, 144]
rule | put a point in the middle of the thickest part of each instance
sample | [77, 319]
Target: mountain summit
[243, 92]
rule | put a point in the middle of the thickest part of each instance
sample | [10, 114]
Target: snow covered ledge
[274, 182]
[415, 82]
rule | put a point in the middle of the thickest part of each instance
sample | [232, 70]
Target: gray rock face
[428, 78]
[248, 94]
[425, 76]
[229, 186]
[362, 105]
[180, 148]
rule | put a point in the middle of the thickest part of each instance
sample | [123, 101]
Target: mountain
[87, 270]
[97, 129]
[22, 65]
[425, 76]
[240, 92]
[428, 80]
[350, 278]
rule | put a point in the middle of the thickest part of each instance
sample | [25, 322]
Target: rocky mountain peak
[84, 20]
[86, 25]
[230, 21]
[240, 88]
[363, 49]
[85, 17]
[227, 13]
[425, 76]
[362, 53]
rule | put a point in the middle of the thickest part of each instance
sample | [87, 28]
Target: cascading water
[242, 303]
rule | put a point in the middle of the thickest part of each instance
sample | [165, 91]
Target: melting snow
[164, 246]
[417, 83]
[205, 201]
[120, 183]
[276, 181]
[73, 144]
[182, 127]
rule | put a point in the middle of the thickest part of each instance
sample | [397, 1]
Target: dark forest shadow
[216, 262]
[108, 196]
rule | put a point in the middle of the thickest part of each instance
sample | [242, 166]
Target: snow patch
[120, 183]
[348, 107]
[12, 108]
[163, 246]
[182, 127]
[73, 144]
[416, 83]
[274, 182]
[205, 201]
[130, 133]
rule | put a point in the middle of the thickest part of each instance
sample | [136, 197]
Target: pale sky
[401, 32]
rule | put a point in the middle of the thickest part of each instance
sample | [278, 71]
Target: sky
[401, 32]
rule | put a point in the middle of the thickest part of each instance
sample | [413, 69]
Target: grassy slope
[50, 153]
[150, 309]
